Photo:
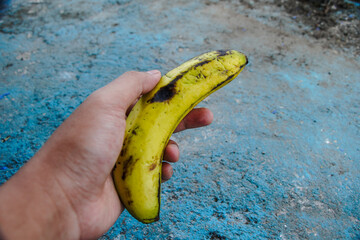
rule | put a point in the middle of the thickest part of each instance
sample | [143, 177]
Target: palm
[71, 193]
[90, 151]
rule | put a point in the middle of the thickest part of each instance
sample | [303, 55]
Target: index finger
[198, 117]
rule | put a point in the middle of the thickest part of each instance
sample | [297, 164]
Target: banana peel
[137, 172]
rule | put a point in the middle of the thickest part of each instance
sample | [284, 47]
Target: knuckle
[133, 74]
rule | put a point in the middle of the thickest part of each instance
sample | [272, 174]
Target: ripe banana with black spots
[137, 172]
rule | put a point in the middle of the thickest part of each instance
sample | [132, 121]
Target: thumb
[127, 88]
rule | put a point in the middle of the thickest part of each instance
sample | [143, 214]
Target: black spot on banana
[153, 119]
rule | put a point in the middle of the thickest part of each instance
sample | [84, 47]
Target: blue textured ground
[282, 158]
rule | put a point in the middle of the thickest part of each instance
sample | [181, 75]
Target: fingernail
[153, 72]
[173, 144]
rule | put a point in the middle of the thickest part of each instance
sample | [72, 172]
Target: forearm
[33, 206]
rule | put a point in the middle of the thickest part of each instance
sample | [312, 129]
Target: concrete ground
[282, 157]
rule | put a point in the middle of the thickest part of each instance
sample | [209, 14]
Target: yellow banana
[137, 172]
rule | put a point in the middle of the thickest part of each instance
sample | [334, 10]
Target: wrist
[33, 206]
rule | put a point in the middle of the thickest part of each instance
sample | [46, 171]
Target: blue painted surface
[4, 4]
[281, 159]
[353, 2]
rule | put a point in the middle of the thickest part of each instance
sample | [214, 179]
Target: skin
[66, 190]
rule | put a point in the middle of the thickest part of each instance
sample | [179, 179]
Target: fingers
[198, 117]
[172, 152]
[132, 85]
[126, 89]
[167, 172]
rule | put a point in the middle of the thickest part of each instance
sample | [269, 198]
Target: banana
[137, 172]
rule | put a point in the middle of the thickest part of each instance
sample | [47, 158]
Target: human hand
[66, 190]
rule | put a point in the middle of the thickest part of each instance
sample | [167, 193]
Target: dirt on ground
[337, 21]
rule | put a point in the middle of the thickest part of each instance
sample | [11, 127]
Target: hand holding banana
[66, 190]
[137, 172]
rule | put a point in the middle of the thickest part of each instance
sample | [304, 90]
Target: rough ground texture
[282, 158]
[337, 21]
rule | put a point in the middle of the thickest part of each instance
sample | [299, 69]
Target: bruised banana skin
[137, 172]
